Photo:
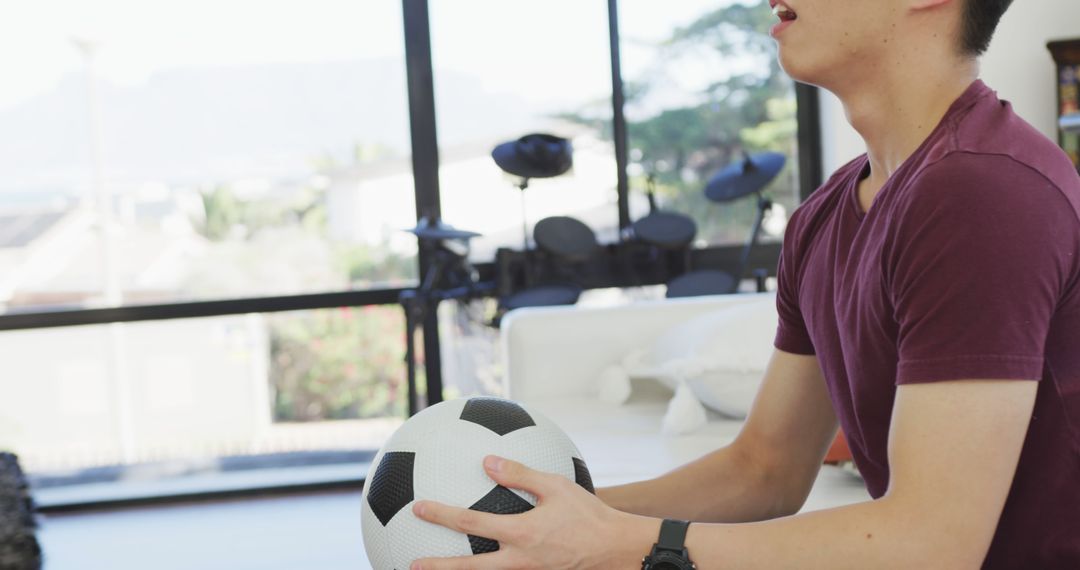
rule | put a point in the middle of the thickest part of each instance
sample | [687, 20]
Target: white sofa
[555, 355]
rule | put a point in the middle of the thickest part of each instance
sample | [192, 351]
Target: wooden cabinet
[1066, 55]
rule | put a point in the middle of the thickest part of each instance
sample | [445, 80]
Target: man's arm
[766, 472]
[953, 449]
[953, 452]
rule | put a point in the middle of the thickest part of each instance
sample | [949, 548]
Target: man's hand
[569, 528]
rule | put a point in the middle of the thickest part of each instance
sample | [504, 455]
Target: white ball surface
[446, 444]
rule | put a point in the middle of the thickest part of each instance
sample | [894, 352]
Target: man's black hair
[978, 22]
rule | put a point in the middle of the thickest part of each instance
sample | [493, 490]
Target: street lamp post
[110, 285]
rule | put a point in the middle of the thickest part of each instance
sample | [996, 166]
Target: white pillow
[721, 356]
[614, 385]
[684, 414]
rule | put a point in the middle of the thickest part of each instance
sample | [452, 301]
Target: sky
[482, 37]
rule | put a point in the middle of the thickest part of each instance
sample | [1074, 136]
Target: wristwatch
[669, 553]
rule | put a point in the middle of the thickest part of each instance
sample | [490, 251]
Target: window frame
[425, 169]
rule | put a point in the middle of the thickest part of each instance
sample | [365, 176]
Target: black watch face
[669, 561]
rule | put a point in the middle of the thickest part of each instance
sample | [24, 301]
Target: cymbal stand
[448, 269]
[764, 205]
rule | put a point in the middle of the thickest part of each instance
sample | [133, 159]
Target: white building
[374, 203]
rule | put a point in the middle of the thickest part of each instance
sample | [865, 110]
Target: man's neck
[895, 112]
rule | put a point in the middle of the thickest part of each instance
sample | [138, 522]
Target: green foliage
[369, 266]
[345, 363]
[683, 147]
[777, 131]
[745, 111]
[736, 29]
[227, 217]
[221, 212]
[331, 364]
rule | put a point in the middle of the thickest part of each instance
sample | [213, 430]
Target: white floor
[199, 483]
[317, 531]
[322, 531]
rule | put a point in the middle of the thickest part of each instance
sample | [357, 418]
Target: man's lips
[782, 10]
[786, 15]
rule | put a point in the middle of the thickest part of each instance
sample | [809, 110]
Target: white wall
[1018, 66]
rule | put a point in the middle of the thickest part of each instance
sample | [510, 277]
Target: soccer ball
[437, 455]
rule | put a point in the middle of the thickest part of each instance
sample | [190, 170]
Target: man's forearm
[880, 534]
[724, 486]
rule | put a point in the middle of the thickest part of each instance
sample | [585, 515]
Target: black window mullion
[618, 118]
[808, 120]
[425, 161]
[197, 309]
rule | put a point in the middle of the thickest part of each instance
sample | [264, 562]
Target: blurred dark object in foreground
[19, 549]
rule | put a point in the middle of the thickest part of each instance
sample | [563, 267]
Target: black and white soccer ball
[438, 455]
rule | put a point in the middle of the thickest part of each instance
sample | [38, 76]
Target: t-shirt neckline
[973, 92]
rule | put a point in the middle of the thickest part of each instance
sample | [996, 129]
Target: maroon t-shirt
[966, 266]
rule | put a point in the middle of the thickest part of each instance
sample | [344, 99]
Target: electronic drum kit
[563, 243]
[568, 241]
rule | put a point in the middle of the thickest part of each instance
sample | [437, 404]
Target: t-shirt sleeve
[791, 333]
[982, 251]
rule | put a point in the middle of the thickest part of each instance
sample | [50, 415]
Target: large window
[521, 73]
[164, 152]
[703, 86]
[158, 154]
[199, 389]
[529, 69]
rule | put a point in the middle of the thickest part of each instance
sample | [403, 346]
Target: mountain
[207, 124]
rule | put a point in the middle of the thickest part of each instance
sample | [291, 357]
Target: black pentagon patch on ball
[499, 416]
[500, 501]
[392, 486]
[582, 476]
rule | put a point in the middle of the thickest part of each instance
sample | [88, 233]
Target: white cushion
[614, 385]
[685, 413]
[721, 355]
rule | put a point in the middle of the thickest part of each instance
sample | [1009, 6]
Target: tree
[342, 363]
[751, 108]
[221, 213]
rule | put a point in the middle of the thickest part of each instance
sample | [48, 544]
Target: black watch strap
[669, 552]
[672, 534]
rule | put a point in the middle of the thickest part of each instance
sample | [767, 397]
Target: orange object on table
[839, 452]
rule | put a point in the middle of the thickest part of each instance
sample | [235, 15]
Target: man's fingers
[476, 562]
[517, 476]
[467, 521]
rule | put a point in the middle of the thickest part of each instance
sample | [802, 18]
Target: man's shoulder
[969, 206]
[996, 144]
[981, 180]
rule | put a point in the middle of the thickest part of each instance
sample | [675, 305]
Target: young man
[929, 300]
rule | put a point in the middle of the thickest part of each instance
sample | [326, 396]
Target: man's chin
[801, 70]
